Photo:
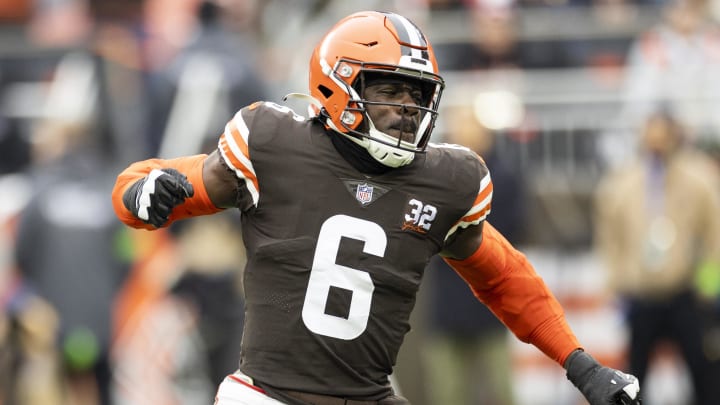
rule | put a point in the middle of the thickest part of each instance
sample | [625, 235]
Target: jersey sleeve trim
[480, 208]
[234, 149]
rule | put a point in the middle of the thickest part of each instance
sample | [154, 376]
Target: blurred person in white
[110, 33]
[658, 232]
[49, 28]
[468, 354]
[677, 62]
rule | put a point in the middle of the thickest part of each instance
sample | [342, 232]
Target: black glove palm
[153, 197]
[601, 385]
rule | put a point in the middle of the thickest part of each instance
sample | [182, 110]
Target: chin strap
[385, 154]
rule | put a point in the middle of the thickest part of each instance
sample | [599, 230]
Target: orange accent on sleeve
[502, 278]
[480, 199]
[484, 193]
[235, 132]
[191, 166]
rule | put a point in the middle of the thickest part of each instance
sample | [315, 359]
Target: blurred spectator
[66, 248]
[606, 51]
[29, 370]
[213, 256]
[468, 356]
[107, 43]
[211, 75]
[116, 46]
[184, 340]
[28, 328]
[657, 229]
[494, 42]
[676, 63]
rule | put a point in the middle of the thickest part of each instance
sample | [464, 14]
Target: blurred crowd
[597, 118]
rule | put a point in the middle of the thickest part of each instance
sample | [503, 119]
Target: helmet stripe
[409, 33]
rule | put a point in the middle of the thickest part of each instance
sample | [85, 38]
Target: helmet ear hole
[325, 91]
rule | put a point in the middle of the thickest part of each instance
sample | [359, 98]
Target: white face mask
[385, 154]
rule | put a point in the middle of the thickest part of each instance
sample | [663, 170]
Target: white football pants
[237, 389]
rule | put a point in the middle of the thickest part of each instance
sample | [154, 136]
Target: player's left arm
[501, 277]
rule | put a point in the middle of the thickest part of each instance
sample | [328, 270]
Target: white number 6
[325, 273]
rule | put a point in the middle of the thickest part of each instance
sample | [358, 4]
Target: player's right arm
[153, 193]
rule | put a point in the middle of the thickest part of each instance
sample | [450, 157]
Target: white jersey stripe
[482, 207]
[464, 224]
[484, 182]
[241, 126]
[254, 193]
[238, 154]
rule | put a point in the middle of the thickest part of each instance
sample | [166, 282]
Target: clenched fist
[153, 197]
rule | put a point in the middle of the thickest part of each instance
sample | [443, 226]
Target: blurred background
[556, 95]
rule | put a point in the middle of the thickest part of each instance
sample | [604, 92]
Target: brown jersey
[335, 257]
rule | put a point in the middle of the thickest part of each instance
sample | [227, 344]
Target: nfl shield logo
[364, 193]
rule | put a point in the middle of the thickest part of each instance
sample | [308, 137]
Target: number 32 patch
[419, 216]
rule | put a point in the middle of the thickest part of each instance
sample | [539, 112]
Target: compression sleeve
[502, 278]
[191, 166]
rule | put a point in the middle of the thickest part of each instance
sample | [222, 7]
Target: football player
[341, 213]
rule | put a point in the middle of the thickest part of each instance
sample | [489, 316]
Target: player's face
[395, 120]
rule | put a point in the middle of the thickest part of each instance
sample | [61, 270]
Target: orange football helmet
[366, 43]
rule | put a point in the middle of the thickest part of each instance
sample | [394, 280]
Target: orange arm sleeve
[502, 278]
[191, 166]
